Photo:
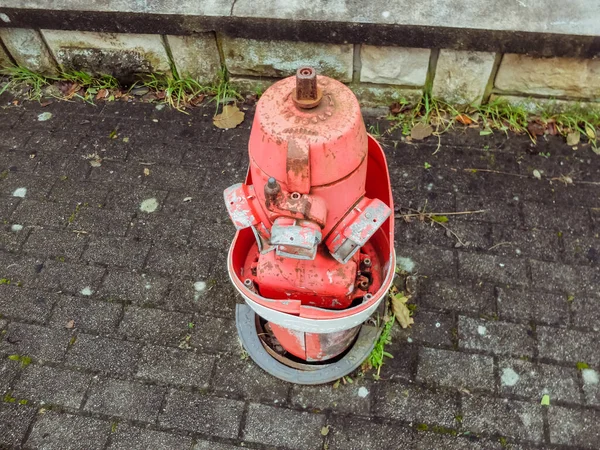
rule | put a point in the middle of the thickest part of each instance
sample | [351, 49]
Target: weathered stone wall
[379, 75]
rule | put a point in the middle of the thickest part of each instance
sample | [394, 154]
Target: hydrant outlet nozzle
[307, 94]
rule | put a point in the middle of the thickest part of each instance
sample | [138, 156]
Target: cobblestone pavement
[117, 313]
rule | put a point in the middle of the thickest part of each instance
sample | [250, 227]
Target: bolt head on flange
[307, 94]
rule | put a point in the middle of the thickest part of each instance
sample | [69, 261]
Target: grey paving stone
[102, 354]
[175, 367]
[403, 365]
[586, 312]
[158, 151]
[196, 209]
[118, 172]
[155, 325]
[108, 149]
[135, 287]
[13, 160]
[41, 343]
[8, 371]
[208, 445]
[19, 270]
[14, 422]
[7, 206]
[429, 260]
[207, 297]
[162, 228]
[591, 386]
[12, 239]
[61, 166]
[71, 278]
[86, 314]
[416, 404]
[352, 398]
[216, 234]
[573, 346]
[474, 235]
[456, 370]
[500, 338]
[536, 305]
[125, 399]
[214, 334]
[56, 431]
[234, 375]
[132, 438]
[562, 278]
[114, 251]
[176, 176]
[432, 328]
[37, 187]
[351, 433]
[582, 249]
[44, 142]
[52, 385]
[574, 427]
[79, 192]
[101, 221]
[130, 198]
[508, 418]
[203, 414]
[492, 268]
[524, 243]
[496, 210]
[534, 380]
[458, 296]
[26, 304]
[55, 244]
[283, 427]
[42, 213]
[539, 215]
[169, 260]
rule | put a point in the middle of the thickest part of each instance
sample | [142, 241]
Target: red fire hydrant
[313, 255]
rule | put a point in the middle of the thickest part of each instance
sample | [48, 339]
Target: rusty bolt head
[307, 94]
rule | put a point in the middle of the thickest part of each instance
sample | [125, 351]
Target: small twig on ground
[499, 244]
[422, 215]
[445, 227]
[429, 215]
[473, 169]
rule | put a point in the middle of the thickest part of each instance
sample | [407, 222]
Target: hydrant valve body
[304, 200]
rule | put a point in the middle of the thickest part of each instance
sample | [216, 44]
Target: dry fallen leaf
[464, 119]
[72, 91]
[573, 138]
[102, 93]
[421, 131]
[536, 128]
[231, 117]
[197, 100]
[400, 310]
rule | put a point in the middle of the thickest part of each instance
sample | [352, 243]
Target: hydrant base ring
[245, 319]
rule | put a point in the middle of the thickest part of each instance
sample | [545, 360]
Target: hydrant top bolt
[307, 94]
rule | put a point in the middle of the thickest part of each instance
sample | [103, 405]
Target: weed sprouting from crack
[377, 357]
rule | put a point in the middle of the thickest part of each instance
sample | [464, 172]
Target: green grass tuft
[377, 357]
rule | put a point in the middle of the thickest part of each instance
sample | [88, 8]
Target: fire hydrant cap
[334, 130]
